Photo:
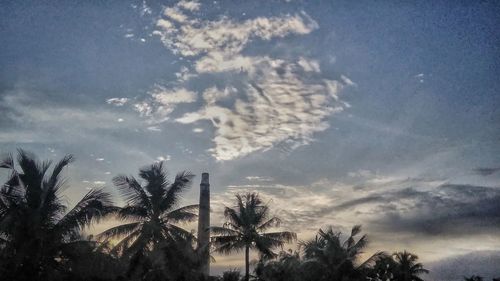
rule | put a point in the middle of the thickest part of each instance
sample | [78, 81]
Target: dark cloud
[451, 209]
[486, 171]
[483, 263]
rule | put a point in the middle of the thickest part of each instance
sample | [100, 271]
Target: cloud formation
[273, 100]
[267, 101]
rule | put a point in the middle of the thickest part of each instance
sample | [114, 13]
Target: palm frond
[234, 217]
[183, 214]
[156, 180]
[132, 190]
[182, 182]
[283, 236]
[95, 205]
[119, 231]
[55, 175]
[224, 231]
[7, 162]
[273, 222]
[175, 232]
[133, 212]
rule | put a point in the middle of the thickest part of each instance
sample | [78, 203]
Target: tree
[286, 267]
[245, 230]
[407, 268]
[151, 215]
[383, 268]
[329, 257]
[35, 227]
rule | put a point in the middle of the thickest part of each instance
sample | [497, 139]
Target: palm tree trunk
[247, 263]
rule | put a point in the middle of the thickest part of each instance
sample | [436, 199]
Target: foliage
[155, 246]
[246, 228]
[38, 233]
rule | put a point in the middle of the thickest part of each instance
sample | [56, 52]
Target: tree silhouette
[407, 268]
[328, 257]
[151, 214]
[287, 267]
[245, 229]
[35, 227]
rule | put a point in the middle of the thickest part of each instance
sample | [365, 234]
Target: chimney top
[204, 178]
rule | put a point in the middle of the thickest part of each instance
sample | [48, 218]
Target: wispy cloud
[270, 101]
[117, 101]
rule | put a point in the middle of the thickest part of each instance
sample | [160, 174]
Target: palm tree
[151, 212]
[286, 267]
[35, 227]
[383, 268]
[334, 259]
[245, 229]
[407, 268]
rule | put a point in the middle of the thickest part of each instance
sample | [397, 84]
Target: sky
[380, 113]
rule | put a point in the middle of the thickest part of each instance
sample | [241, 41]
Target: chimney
[204, 223]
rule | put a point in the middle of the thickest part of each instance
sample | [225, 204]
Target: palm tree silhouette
[151, 212]
[35, 226]
[245, 229]
[333, 259]
[406, 267]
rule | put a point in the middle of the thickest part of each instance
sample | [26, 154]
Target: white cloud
[99, 159]
[259, 178]
[117, 101]
[99, 182]
[279, 105]
[162, 102]
[275, 100]
[213, 94]
[198, 130]
[309, 65]
[120, 120]
[173, 96]
[225, 35]
[189, 5]
[163, 158]
[175, 14]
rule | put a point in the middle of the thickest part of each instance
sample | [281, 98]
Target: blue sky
[340, 112]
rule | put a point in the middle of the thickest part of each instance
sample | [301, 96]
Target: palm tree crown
[407, 268]
[334, 258]
[35, 226]
[245, 229]
[151, 210]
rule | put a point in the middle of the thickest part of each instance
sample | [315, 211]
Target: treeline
[41, 239]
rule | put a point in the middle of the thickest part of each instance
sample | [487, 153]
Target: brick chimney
[204, 223]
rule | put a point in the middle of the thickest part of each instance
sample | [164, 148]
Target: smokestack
[204, 223]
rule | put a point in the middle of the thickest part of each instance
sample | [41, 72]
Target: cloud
[225, 37]
[189, 5]
[280, 104]
[162, 102]
[447, 209]
[117, 101]
[163, 158]
[295, 205]
[269, 102]
[484, 263]
[486, 171]
[259, 178]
